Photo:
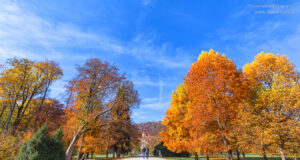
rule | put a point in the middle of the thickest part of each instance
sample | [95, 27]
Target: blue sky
[153, 41]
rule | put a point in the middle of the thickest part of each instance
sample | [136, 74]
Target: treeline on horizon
[220, 109]
[95, 117]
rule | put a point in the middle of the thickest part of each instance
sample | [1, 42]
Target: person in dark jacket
[143, 152]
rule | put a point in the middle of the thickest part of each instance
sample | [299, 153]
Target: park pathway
[141, 158]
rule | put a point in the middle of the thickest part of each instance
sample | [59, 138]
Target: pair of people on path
[145, 152]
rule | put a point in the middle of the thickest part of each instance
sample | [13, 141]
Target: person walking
[147, 153]
[144, 152]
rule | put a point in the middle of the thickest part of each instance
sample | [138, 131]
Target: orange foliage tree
[215, 89]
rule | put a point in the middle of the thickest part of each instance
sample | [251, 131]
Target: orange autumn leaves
[214, 111]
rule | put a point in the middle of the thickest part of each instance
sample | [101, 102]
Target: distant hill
[152, 128]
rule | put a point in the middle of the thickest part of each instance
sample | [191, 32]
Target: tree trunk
[27, 124]
[92, 154]
[22, 109]
[295, 157]
[283, 156]
[40, 108]
[265, 157]
[118, 152]
[114, 153]
[10, 114]
[80, 146]
[225, 141]
[207, 157]
[15, 126]
[244, 155]
[8, 119]
[70, 149]
[196, 155]
[238, 154]
[2, 111]
[228, 152]
[106, 154]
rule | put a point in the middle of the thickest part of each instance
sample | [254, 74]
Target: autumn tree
[51, 72]
[51, 113]
[21, 83]
[123, 132]
[274, 108]
[177, 136]
[9, 146]
[120, 134]
[215, 89]
[91, 98]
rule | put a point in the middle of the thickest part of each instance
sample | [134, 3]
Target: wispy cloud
[156, 103]
[288, 45]
[139, 116]
[146, 2]
[155, 106]
[275, 35]
[25, 34]
[161, 90]
[150, 100]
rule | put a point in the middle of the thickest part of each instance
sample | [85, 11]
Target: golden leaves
[257, 110]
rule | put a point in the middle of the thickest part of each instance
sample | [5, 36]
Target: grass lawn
[248, 156]
[110, 155]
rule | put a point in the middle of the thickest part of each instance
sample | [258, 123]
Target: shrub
[167, 153]
[42, 146]
[9, 146]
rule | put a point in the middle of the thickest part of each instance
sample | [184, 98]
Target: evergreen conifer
[43, 147]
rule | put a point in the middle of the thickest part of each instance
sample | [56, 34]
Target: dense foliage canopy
[220, 109]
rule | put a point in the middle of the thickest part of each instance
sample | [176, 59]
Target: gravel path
[141, 158]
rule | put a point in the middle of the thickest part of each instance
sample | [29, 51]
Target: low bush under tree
[167, 153]
[42, 146]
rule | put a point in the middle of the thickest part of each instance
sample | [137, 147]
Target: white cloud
[145, 2]
[25, 34]
[140, 79]
[272, 35]
[156, 103]
[150, 100]
[161, 90]
[139, 115]
[143, 81]
[155, 106]
[289, 46]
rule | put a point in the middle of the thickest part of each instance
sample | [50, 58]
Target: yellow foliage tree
[176, 137]
[274, 107]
